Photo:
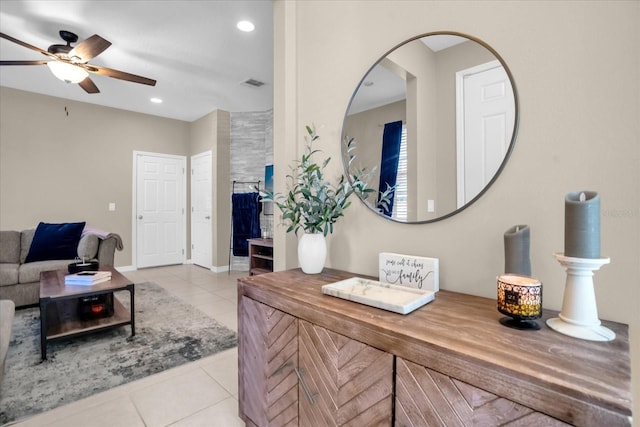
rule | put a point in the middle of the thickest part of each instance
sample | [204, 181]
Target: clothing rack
[250, 186]
[256, 185]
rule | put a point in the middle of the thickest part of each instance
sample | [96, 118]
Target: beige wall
[576, 66]
[63, 160]
[58, 167]
[367, 128]
[212, 133]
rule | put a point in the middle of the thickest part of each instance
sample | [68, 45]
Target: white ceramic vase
[312, 252]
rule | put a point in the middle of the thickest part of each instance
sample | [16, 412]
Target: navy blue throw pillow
[55, 241]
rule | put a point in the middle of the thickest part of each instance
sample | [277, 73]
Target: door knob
[139, 216]
[207, 217]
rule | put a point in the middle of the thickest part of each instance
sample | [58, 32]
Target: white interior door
[485, 119]
[160, 209]
[201, 195]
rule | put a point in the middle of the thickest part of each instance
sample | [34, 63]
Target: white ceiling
[381, 86]
[192, 48]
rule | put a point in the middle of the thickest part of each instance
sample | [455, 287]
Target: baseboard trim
[215, 269]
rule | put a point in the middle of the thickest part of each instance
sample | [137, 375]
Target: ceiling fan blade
[42, 62]
[27, 45]
[119, 75]
[89, 86]
[89, 48]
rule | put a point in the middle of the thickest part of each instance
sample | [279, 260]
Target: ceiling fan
[70, 63]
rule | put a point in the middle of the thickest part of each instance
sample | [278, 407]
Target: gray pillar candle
[516, 250]
[582, 225]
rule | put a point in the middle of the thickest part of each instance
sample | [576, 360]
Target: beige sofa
[20, 280]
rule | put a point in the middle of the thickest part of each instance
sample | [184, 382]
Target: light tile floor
[202, 393]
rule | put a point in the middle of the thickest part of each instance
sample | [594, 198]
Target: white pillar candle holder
[579, 315]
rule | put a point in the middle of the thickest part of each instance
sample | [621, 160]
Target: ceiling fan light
[67, 72]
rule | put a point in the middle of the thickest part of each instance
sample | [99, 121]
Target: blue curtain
[391, 138]
[245, 214]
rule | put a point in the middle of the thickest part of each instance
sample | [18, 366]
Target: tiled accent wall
[251, 151]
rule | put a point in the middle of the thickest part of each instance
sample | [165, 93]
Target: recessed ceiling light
[246, 26]
[156, 100]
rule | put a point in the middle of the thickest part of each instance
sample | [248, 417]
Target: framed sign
[407, 270]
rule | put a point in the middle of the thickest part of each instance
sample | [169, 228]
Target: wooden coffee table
[59, 307]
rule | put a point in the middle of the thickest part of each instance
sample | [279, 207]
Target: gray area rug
[169, 333]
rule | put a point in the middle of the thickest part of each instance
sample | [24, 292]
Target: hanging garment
[391, 139]
[246, 221]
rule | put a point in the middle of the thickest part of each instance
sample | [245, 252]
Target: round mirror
[434, 121]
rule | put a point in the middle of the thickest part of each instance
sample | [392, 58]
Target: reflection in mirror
[435, 118]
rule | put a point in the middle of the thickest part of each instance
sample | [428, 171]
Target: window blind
[400, 201]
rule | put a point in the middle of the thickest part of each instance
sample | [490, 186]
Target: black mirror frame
[507, 155]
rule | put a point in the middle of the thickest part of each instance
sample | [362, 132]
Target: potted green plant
[314, 204]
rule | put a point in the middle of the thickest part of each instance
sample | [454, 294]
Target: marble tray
[399, 299]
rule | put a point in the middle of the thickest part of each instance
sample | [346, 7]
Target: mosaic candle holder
[520, 299]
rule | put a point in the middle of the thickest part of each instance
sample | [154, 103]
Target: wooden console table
[311, 359]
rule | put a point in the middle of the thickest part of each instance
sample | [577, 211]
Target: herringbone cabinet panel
[269, 341]
[428, 398]
[343, 382]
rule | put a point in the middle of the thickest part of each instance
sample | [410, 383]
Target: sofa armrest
[106, 250]
[7, 311]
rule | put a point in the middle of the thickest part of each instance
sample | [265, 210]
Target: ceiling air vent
[253, 83]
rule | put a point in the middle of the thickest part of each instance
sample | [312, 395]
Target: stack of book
[87, 278]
